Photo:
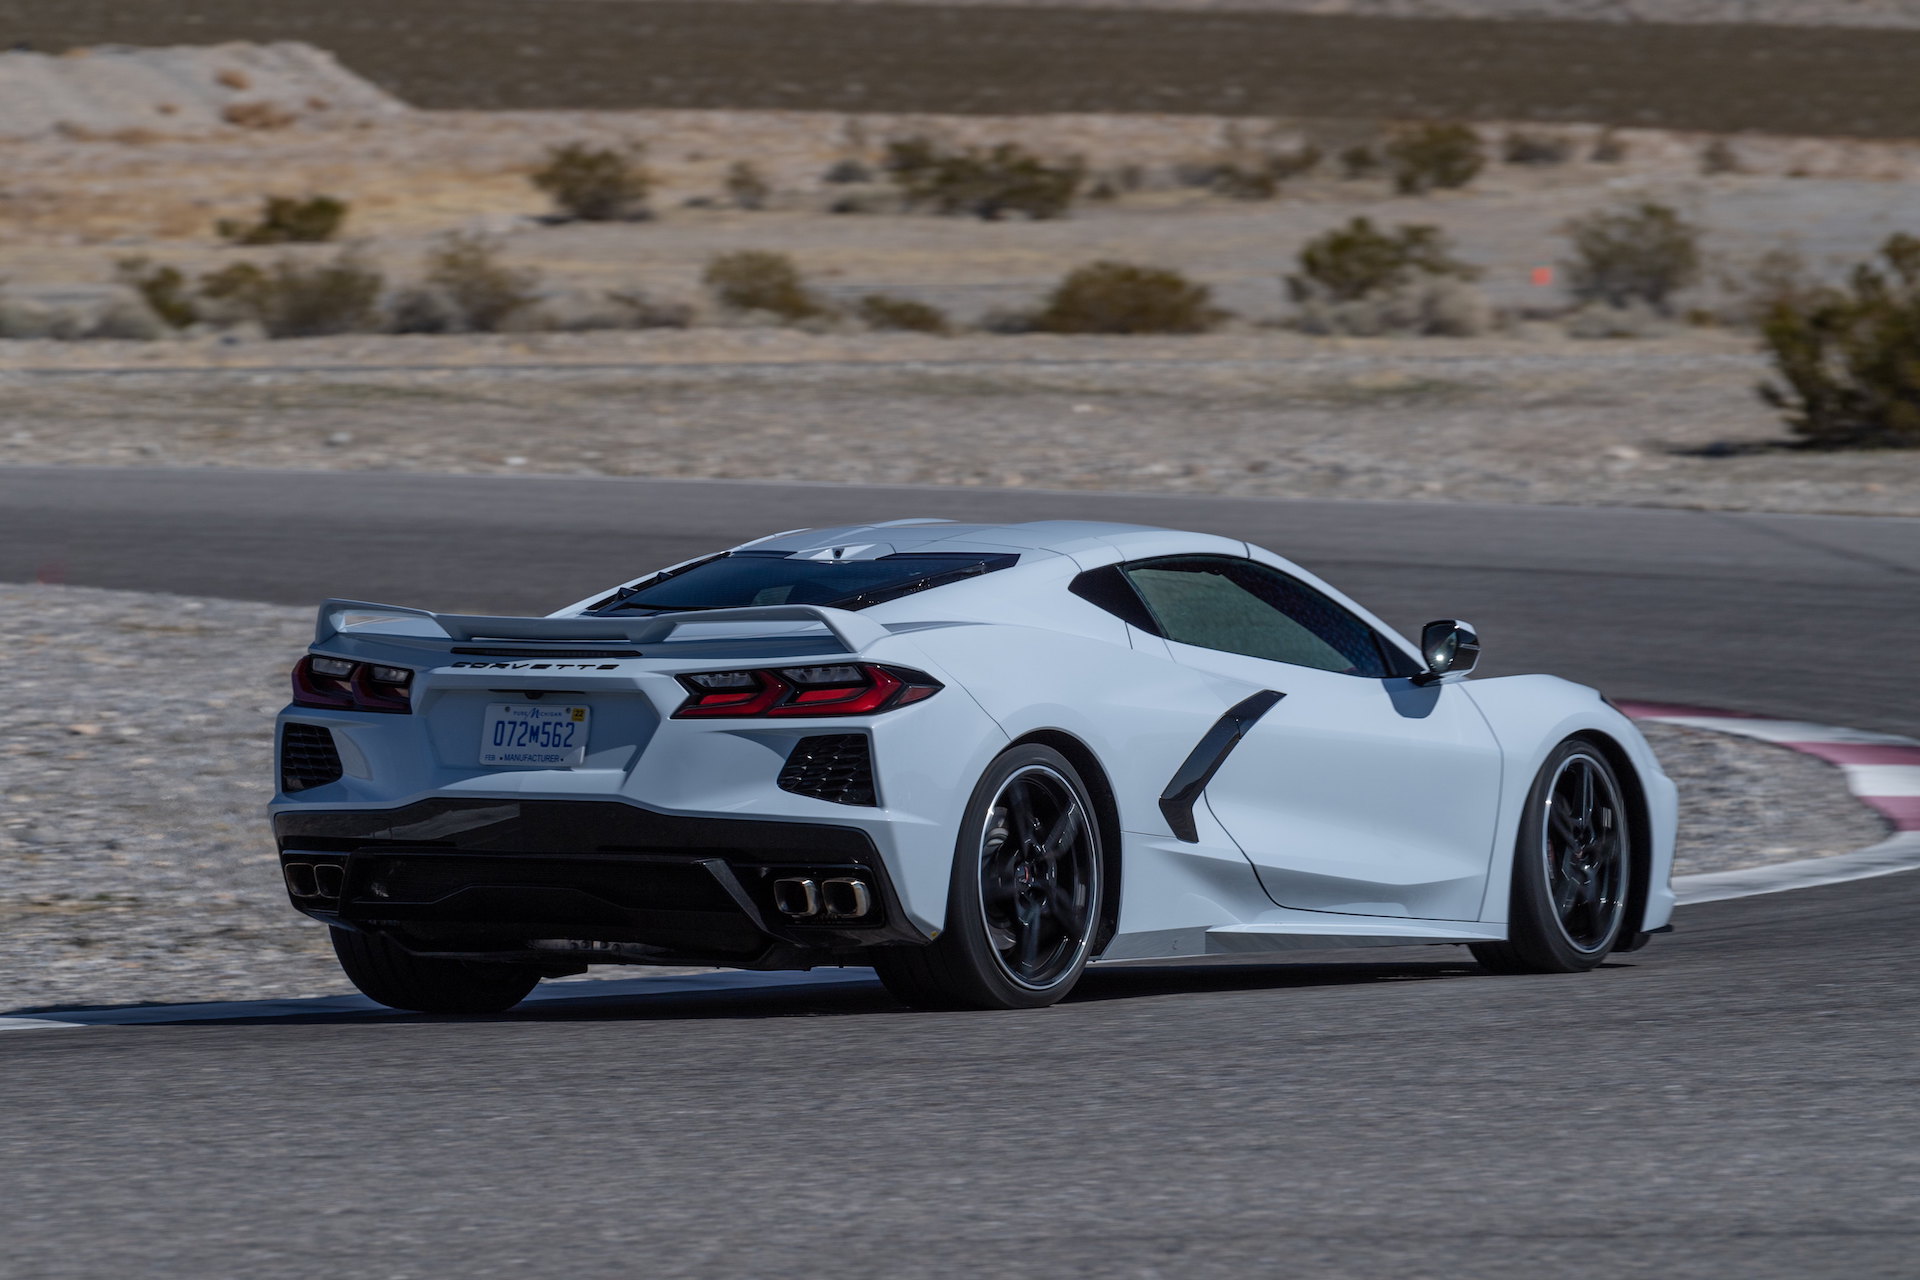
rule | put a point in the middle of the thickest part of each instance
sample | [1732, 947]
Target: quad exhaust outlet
[841, 898]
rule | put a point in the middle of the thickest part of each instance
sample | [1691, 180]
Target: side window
[1238, 606]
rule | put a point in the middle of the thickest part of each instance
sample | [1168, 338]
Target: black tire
[1572, 868]
[387, 972]
[1025, 897]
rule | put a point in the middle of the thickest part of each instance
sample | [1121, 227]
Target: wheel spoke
[1561, 824]
[1062, 833]
[1020, 820]
[1587, 803]
[1028, 958]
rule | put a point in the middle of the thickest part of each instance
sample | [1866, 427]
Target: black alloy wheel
[1024, 902]
[1572, 869]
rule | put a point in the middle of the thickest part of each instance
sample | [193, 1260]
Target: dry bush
[1360, 161]
[164, 290]
[756, 280]
[1539, 149]
[1644, 252]
[847, 171]
[1120, 297]
[467, 289]
[987, 184]
[1261, 177]
[1428, 157]
[1718, 156]
[284, 220]
[886, 311]
[1359, 260]
[595, 184]
[1361, 280]
[1609, 148]
[747, 188]
[1849, 358]
[291, 299]
[233, 78]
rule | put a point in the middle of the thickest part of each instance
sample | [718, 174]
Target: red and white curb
[1881, 769]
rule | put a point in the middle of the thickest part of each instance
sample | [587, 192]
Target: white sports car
[975, 757]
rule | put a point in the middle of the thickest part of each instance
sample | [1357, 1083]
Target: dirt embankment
[129, 93]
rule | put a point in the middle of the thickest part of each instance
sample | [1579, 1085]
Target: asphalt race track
[1736, 1100]
[1803, 616]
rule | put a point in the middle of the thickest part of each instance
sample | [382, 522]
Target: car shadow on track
[742, 996]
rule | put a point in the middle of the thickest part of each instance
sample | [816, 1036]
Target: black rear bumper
[567, 882]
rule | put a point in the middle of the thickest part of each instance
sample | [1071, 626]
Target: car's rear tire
[1572, 868]
[1024, 902]
[387, 972]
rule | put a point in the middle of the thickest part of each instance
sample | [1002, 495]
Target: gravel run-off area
[1673, 423]
[136, 864]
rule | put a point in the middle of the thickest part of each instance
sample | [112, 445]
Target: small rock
[84, 730]
[339, 438]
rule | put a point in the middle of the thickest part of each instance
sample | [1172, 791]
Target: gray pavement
[1804, 616]
[1736, 1100]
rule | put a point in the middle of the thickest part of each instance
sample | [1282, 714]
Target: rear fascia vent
[837, 767]
[308, 757]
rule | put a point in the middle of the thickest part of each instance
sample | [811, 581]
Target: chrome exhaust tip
[846, 898]
[799, 898]
[329, 879]
[300, 882]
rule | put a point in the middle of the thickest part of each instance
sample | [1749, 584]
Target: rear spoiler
[356, 619]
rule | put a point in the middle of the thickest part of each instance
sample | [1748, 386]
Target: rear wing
[356, 619]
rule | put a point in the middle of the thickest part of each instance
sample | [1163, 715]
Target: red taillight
[352, 686]
[843, 689]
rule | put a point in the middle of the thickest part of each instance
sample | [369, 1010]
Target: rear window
[744, 578]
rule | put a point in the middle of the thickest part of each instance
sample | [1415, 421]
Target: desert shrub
[284, 220]
[1718, 156]
[1120, 297]
[1608, 148]
[1260, 178]
[595, 184]
[885, 311]
[129, 320]
[1849, 358]
[747, 188]
[1431, 306]
[1360, 162]
[638, 310]
[847, 171]
[484, 291]
[1643, 252]
[755, 280]
[164, 289]
[1359, 260]
[1425, 157]
[1362, 280]
[291, 299]
[1522, 147]
[988, 184]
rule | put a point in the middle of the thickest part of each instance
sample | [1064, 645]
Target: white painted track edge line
[1895, 854]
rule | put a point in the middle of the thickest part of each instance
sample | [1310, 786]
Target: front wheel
[1572, 869]
[387, 972]
[1024, 902]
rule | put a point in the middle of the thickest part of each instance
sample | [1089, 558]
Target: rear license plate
[528, 733]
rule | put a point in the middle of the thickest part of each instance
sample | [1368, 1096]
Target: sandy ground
[136, 863]
[1669, 423]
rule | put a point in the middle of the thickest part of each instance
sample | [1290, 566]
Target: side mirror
[1450, 646]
